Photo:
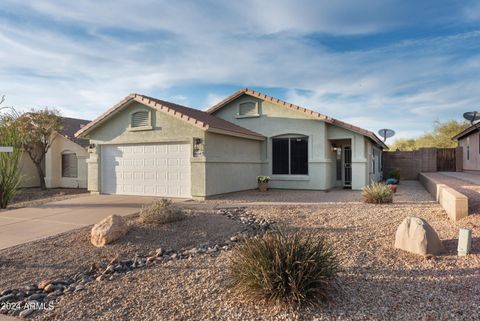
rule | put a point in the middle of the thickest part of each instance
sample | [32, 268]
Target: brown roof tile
[253, 93]
[197, 117]
[70, 127]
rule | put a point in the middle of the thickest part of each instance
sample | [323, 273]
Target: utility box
[464, 241]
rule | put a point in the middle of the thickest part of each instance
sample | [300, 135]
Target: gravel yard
[408, 191]
[35, 196]
[376, 281]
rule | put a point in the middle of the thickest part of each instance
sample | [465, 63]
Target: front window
[290, 156]
[69, 165]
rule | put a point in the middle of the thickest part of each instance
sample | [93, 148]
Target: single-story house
[147, 146]
[469, 140]
[65, 163]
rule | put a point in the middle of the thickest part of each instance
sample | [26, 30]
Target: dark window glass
[69, 165]
[299, 156]
[280, 156]
[339, 164]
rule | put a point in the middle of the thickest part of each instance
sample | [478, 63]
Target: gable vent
[140, 119]
[247, 108]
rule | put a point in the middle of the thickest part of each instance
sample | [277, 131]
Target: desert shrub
[287, 269]
[160, 212]
[377, 193]
[394, 174]
[10, 168]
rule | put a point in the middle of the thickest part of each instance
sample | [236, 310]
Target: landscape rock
[44, 283]
[49, 288]
[109, 230]
[416, 236]
[26, 313]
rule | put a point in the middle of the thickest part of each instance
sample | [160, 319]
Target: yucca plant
[160, 212]
[10, 168]
[287, 269]
[377, 193]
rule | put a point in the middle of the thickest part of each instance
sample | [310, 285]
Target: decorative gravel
[377, 281]
[35, 196]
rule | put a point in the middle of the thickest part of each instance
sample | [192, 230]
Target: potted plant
[393, 187]
[263, 183]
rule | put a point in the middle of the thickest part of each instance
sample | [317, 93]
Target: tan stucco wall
[53, 164]
[276, 120]
[165, 128]
[473, 163]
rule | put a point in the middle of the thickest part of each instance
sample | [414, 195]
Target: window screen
[69, 165]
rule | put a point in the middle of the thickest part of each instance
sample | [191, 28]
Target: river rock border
[24, 301]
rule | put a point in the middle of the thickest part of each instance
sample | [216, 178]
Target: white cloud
[73, 58]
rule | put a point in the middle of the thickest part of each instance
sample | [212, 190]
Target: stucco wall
[29, 172]
[165, 128]
[275, 120]
[232, 163]
[473, 161]
[53, 164]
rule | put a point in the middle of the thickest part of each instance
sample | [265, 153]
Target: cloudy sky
[377, 63]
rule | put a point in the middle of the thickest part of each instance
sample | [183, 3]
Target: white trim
[6, 149]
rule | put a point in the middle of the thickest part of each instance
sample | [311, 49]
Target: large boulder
[109, 230]
[416, 236]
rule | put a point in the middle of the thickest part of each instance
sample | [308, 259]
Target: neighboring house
[470, 143]
[146, 146]
[65, 162]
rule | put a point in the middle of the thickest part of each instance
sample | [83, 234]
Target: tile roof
[333, 121]
[196, 117]
[70, 127]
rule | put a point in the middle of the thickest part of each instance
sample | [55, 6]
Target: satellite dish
[472, 116]
[386, 133]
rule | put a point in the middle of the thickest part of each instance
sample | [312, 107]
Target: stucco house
[469, 140]
[147, 146]
[65, 163]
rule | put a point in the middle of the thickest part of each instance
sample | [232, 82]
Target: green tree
[37, 128]
[10, 170]
[440, 137]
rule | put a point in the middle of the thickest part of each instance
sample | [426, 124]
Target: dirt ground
[377, 282]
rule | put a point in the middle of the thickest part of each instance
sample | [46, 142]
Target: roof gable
[466, 132]
[308, 112]
[195, 117]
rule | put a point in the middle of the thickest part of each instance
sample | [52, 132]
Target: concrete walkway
[470, 177]
[33, 223]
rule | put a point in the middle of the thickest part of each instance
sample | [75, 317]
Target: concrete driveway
[33, 223]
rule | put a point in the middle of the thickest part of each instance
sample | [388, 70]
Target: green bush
[377, 193]
[284, 268]
[394, 174]
[161, 212]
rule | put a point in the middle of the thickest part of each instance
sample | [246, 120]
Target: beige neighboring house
[147, 146]
[469, 140]
[65, 162]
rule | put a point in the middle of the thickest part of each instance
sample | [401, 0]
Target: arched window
[140, 119]
[69, 164]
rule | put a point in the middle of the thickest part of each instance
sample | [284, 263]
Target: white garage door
[150, 170]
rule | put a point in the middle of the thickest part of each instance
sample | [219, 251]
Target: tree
[440, 137]
[38, 128]
[10, 171]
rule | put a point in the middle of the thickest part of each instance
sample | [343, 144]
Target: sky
[377, 63]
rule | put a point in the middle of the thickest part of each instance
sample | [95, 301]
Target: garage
[161, 169]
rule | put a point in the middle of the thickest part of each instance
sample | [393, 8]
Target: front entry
[347, 166]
